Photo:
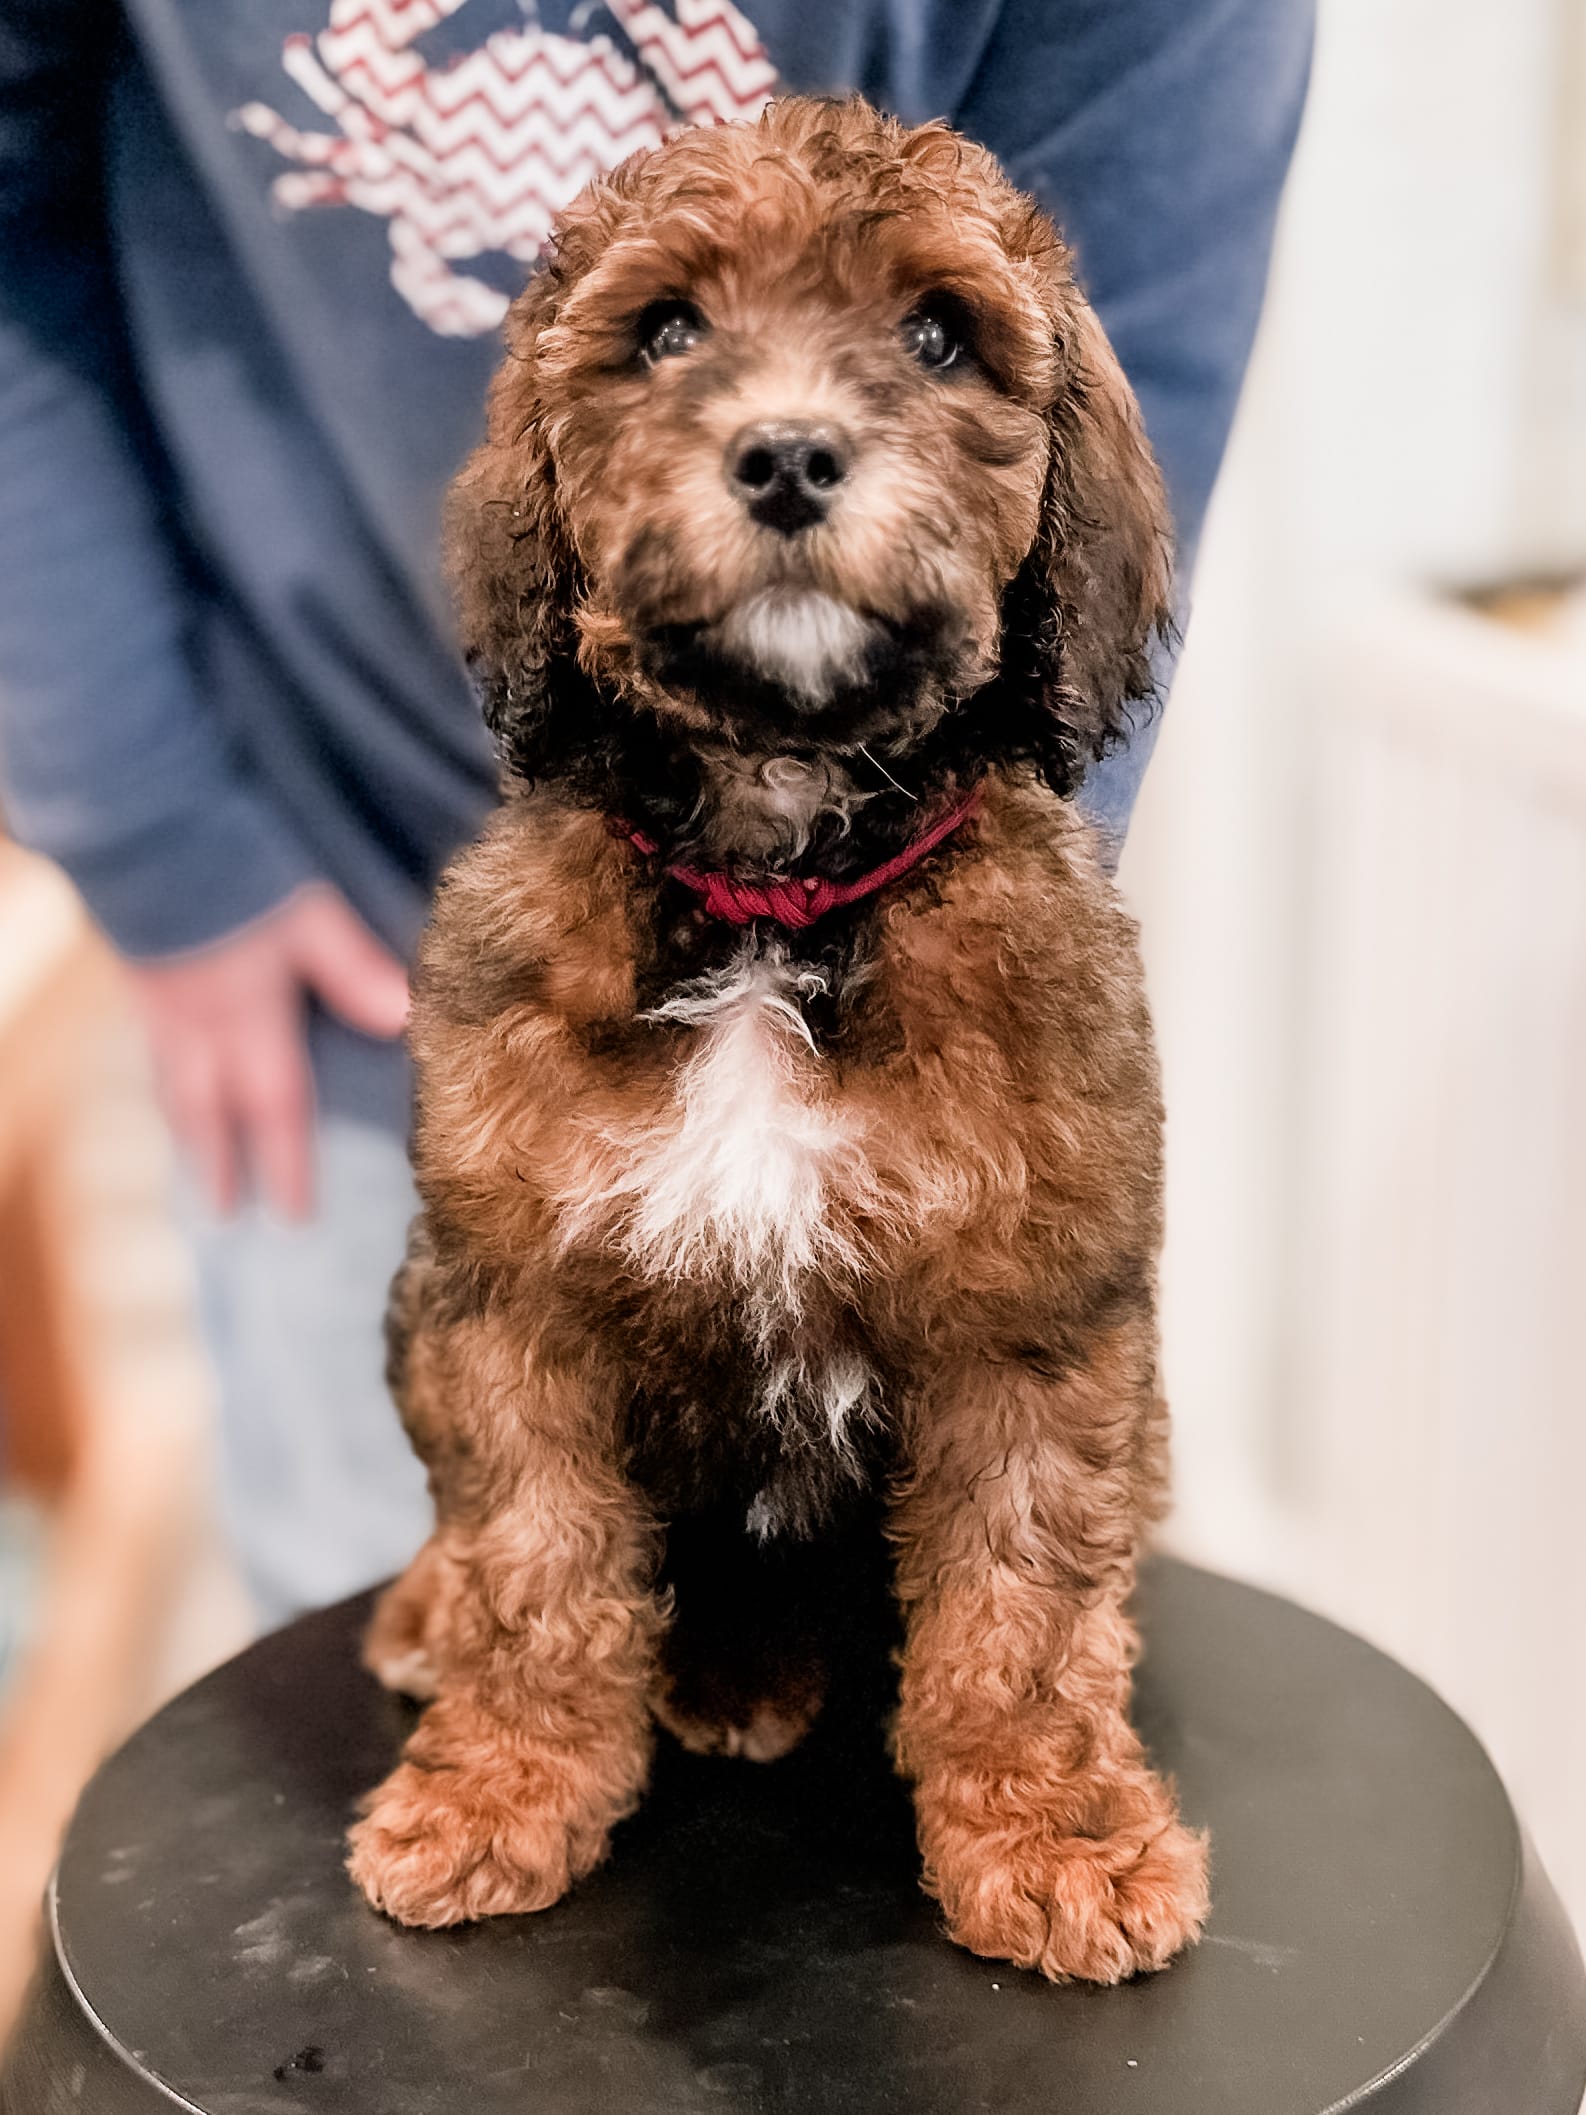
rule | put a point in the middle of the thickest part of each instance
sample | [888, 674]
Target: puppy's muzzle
[788, 472]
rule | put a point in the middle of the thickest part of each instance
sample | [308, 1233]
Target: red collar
[797, 903]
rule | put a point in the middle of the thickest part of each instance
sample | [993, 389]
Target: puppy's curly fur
[726, 1227]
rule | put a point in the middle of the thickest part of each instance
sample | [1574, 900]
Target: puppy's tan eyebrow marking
[983, 444]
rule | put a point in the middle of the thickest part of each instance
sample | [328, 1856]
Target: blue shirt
[252, 258]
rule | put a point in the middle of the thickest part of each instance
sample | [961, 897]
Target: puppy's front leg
[538, 1738]
[1045, 1836]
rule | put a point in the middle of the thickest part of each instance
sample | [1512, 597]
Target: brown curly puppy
[789, 1124]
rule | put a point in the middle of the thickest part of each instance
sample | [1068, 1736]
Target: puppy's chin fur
[807, 641]
[797, 669]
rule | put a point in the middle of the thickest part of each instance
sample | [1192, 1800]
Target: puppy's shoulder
[535, 914]
[1026, 925]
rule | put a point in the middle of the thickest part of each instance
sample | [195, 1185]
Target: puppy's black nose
[787, 473]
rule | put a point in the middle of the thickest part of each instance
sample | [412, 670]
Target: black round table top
[1382, 1938]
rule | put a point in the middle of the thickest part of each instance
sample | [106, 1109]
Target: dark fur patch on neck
[896, 693]
[603, 754]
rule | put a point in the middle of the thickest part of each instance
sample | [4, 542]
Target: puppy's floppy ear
[514, 573]
[1081, 615]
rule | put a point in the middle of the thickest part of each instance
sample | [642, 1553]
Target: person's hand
[230, 1056]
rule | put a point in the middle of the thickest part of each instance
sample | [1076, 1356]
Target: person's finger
[190, 1093]
[337, 955]
[273, 1095]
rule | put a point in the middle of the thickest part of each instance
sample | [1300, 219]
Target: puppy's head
[806, 440]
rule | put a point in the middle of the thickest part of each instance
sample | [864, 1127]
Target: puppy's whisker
[877, 764]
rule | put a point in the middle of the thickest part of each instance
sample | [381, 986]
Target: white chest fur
[739, 1174]
[750, 1174]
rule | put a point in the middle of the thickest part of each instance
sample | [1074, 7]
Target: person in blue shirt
[253, 259]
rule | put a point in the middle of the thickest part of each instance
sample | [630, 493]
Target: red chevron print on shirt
[480, 154]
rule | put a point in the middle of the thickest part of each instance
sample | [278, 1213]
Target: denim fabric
[320, 1491]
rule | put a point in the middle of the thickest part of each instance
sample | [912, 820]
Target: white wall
[1427, 329]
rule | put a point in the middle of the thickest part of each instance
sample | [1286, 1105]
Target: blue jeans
[320, 1490]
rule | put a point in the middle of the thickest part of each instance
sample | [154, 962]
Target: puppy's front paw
[446, 1846]
[1078, 1908]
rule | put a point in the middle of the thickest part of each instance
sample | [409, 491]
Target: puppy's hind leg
[405, 1645]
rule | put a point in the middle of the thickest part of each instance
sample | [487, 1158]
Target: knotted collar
[797, 903]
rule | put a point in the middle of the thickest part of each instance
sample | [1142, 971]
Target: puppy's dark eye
[669, 327]
[930, 336]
